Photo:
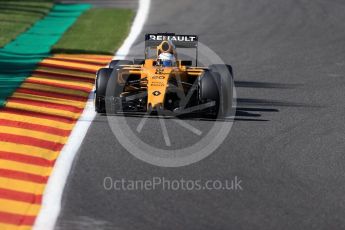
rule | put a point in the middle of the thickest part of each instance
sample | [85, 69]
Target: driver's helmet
[166, 59]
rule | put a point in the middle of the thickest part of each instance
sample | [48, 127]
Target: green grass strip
[99, 31]
[16, 16]
[21, 56]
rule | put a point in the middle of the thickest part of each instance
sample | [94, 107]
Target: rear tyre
[115, 63]
[102, 78]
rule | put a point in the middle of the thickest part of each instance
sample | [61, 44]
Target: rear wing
[180, 41]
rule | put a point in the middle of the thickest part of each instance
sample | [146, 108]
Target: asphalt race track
[286, 144]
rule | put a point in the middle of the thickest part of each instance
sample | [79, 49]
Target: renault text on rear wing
[180, 41]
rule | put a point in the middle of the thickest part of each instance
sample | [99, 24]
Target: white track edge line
[52, 197]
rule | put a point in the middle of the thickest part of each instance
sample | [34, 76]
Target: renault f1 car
[149, 86]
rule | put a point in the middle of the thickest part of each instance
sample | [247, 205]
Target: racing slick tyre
[208, 91]
[225, 86]
[115, 63]
[222, 69]
[102, 78]
[113, 91]
[216, 84]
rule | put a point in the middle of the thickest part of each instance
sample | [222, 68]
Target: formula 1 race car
[161, 83]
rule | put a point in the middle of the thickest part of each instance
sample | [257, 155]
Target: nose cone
[157, 82]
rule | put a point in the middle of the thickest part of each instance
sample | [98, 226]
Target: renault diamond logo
[156, 93]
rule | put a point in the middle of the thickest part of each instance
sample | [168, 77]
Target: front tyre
[209, 92]
[113, 91]
[216, 84]
[102, 78]
[225, 89]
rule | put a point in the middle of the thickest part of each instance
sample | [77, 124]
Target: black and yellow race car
[167, 86]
